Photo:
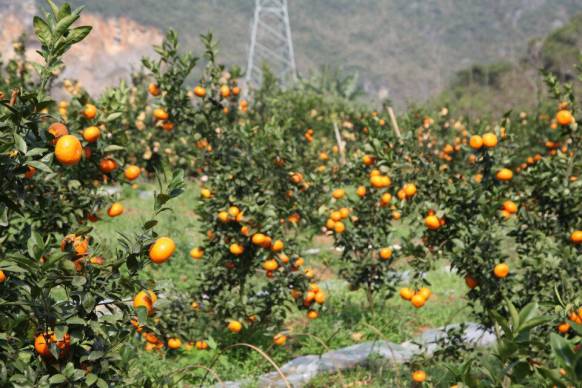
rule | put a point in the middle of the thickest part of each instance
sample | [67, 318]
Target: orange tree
[64, 315]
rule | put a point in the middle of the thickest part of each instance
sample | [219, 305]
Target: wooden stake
[394, 123]
[340, 143]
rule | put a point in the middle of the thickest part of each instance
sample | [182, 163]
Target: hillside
[497, 87]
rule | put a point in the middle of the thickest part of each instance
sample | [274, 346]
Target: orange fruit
[409, 189]
[199, 91]
[236, 249]
[2, 276]
[236, 91]
[132, 172]
[197, 253]
[223, 216]
[396, 215]
[258, 239]
[339, 227]
[233, 211]
[368, 160]
[471, 282]
[174, 343]
[501, 270]
[576, 237]
[320, 297]
[154, 89]
[30, 172]
[336, 216]
[205, 193]
[68, 150]
[234, 326]
[270, 265]
[510, 207]
[504, 175]
[338, 193]
[201, 345]
[41, 344]
[280, 339]
[330, 224]
[91, 134]
[160, 114]
[162, 250]
[418, 300]
[432, 222]
[563, 328]
[418, 376]
[143, 299]
[564, 117]
[224, 91]
[385, 253]
[361, 191]
[58, 130]
[476, 142]
[425, 292]
[312, 314]
[406, 293]
[344, 212]
[107, 165]
[385, 199]
[115, 209]
[379, 181]
[489, 140]
[278, 246]
[89, 111]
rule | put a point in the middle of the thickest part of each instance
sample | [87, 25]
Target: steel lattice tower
[271, 43]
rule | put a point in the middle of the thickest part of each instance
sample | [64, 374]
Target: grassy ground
[345, 321]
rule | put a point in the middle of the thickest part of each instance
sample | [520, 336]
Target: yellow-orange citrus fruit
[418, 376]
[174, 343]
[236, 249]
[160, 114]
[406, 293]
[91, 134]
[576, 237]
[489, 140]
[280, 339]
[270, 265]
[432, 222]
[143, 299]
[132, 172]
[161, 250]
[234, 326]
[425, 292]
[564, 117]
[258, 239]
[278, 246]
[418, 300]
[501, 270]
[338, 193]
[504, 175]
[68, 150]
[510, 207]
[2, 276]
[116, 209]
[196, 253]
[89, 111]
[476, 142]
[154, 89]
[385, 253]
[312, 314]
[199, 91]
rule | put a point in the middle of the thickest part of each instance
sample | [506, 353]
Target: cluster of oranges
[313, 295]
[308, 135]
[78, 246]
[508, 209]
[416, 298]
[44, 341]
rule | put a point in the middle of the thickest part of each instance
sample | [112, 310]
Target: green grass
[345, 320]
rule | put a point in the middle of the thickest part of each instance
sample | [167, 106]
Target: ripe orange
[174, 343]
[563, 328]
[41, 344]
[258, 239]
[425, 292]
[270, 265]
[501, 270]
[205, 193]
[418, 300]
[2, 276]
[201, 345]
[344, 212]
[320, 297]
[132, 172]
[476, 142]
[115, 209]
[160, 114]
[564, 117]
[338, 193]
[30, 172]
[107, 165]
[223, 216]
[236, 249]
[385, 253]
[197, 253]
[162, 250]
[368, 160]
[68, 150]
[418, 376]
[471, 282]
[224, 91]
[234, 326]
[361, 191]
[154, 89]
[89, 111]
[406, 293]
[339, 227]
[409, 189]
[91, 134]
[312, 314]
[236, 91]
[385, 199]
[396, 215]
[379, 181]
[510, 207]
[489, 140]
[330, 224]
[576, 237]
[199, 91]
[233, 211]
[278, 246]
[143, 299]
[432, 222]
[280, 339]
[58, 130]
[336, 216]
[504, 175]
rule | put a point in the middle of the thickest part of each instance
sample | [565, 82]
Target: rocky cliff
[111, 51]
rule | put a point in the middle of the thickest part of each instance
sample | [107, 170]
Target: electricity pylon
[271, 44]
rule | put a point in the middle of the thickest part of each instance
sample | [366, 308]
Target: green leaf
[20, 143]
[113, 147]
[42, 31]
[57, 379]
[77, 34]
[39, 166]
[113, 116]
[562, 349]
[91, 379]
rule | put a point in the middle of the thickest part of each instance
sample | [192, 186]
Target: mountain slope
[407, 49]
